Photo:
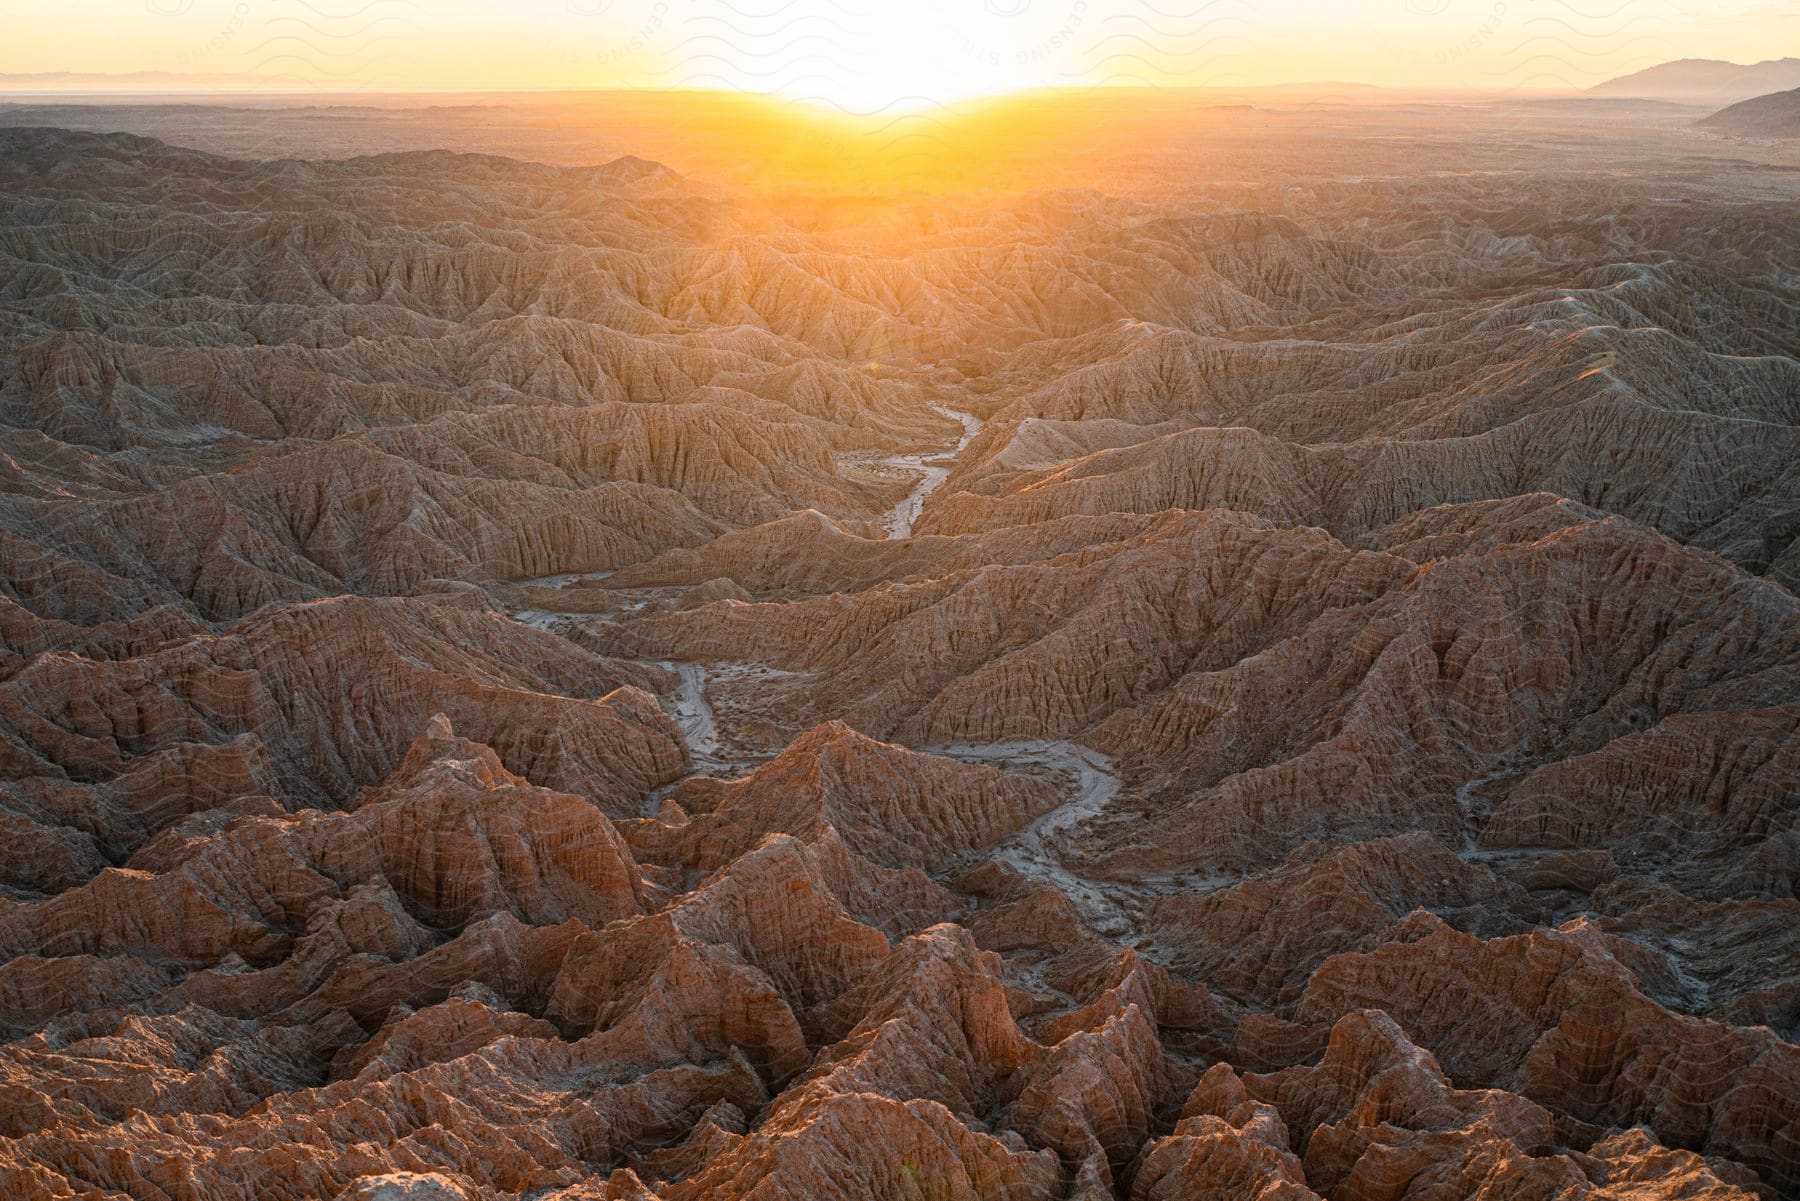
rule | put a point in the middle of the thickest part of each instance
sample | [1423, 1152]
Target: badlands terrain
[1266, 665]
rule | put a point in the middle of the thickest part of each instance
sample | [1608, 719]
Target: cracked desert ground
[621, 649]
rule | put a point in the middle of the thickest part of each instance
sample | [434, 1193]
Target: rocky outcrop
[1555, 1017]
[307, 704]
[1261, 941]
[888, 804]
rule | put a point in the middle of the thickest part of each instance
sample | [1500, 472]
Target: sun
[869, 58]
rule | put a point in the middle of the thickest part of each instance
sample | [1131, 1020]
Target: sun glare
[871, 59]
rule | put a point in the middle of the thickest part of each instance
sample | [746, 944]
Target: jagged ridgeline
[1273, 675]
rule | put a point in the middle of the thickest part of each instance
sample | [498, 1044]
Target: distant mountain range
[1708, 81]
[1773, 116]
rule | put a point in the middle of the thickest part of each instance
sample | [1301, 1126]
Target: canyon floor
[1264, 665]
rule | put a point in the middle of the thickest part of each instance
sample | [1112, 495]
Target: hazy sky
[863, 54]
